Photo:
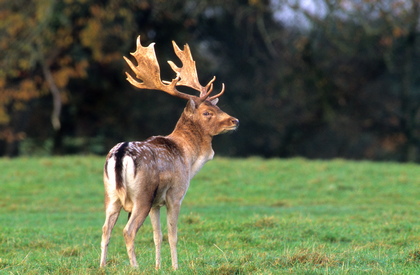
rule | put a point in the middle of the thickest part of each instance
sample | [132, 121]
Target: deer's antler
[148, 71]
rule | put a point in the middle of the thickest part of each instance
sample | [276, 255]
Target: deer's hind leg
[138, 215]
[112, 211]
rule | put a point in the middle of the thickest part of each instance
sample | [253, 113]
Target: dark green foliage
[343, 85]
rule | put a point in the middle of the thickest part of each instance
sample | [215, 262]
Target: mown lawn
[240, 216]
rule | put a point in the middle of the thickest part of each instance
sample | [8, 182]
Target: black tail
[119, 164]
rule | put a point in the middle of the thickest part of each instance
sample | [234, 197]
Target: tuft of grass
[266, 222]
[240, 216]
[191, 218]
[307, 257]
[414, 257]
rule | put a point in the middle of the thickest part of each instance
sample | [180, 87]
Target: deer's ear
[191, 106]
[214, 101]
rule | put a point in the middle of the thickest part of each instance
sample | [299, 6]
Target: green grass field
[240, 216]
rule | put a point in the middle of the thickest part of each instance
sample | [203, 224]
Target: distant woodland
[337, 79]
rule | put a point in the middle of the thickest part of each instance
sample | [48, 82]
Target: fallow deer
[141, 177]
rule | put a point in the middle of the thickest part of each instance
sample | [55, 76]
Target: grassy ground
[240, 216]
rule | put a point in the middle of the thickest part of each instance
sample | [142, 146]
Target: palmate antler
[148, 71]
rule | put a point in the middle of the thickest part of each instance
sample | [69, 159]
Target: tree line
[342, 82]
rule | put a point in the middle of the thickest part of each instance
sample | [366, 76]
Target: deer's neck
[194, 141]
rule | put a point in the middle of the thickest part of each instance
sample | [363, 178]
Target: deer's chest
[199, 162]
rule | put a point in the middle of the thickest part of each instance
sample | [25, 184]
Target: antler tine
[210, 84]
[148, 71]
[209, 88]
[219, 94]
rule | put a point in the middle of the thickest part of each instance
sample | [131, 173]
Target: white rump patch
[128, 170]
[110, 169]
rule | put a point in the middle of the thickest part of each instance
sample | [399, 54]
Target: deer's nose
[235, 121]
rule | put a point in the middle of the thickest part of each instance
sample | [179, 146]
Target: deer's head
[210, 117]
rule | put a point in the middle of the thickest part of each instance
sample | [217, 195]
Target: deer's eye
[206, 114]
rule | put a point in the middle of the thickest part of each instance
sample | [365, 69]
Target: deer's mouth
[233, 128]
[229, 129]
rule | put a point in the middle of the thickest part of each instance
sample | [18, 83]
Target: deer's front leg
[157, 233]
